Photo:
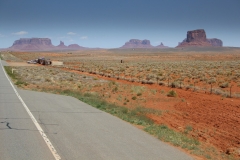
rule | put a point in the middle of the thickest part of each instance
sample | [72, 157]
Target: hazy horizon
[109, 24]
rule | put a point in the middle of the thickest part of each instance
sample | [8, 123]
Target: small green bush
[172, 93]
[115, 89]
[188, 129]
[139, 94]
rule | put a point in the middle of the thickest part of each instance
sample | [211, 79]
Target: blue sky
[110, 23]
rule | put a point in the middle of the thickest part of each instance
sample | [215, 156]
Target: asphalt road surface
[19, 138]
[76, 130]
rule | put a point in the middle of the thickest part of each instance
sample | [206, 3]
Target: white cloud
[84, 37]
[71, 33]
[20, 33]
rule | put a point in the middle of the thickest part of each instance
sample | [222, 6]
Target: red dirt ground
[215, 120]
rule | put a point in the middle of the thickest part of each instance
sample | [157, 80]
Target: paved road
[76, 130]
[19, 138]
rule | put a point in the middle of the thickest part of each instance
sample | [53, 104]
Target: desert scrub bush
[139, 94]
[119, 98]
[134, 98]
[174, 84]
[172, 93]
[153, 91]
[19, 83]
[47, 80]
[218, 91]
[188, 129]
[137, 89]
[212, 81]
[147, 82]
[224, 85]
[111, 83]
[115, 89]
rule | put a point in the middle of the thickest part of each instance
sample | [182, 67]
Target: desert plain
[192, 91]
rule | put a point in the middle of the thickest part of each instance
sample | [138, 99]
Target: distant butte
[198, 38]
[75, 46]
[136, 43]
[61, 45]
[161, 46]
[32, 44]
[41, 44]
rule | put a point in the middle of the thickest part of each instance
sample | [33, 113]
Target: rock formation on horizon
[195, 38]
[215, 42]
[198, 38]
[61, 45]
[41, 44]
[75, 46]
[32, 44]
[136, 43]
[161, 46]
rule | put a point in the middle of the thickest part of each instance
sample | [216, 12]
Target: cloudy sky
[110, 23]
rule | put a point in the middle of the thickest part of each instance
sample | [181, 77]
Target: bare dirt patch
[20, 64]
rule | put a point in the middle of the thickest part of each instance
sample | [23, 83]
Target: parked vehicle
[41, 61]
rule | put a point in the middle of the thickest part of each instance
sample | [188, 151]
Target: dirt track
[20, 64]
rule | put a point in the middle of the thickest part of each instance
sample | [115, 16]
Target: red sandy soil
[215, 120]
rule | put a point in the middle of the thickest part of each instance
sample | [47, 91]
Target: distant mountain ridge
[136, 43]
[41, 44]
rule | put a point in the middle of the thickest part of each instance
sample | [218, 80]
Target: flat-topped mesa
[195, 38]
[34, 41]
[26, 44]
[136, 43]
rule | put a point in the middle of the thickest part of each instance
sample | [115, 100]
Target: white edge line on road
[44, 136]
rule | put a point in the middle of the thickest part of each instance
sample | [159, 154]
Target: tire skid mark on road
[44, 136]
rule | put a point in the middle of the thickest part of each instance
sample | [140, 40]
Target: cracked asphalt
[19, 138]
